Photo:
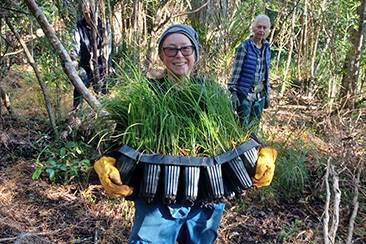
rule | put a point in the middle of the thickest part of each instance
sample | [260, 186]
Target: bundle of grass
[190, 120]
[179, 138]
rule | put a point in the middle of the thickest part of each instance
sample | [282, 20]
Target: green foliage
[220, 36]
[65, 162]
[291, 176]
[240, 204]
[195, 120]
[290, 231]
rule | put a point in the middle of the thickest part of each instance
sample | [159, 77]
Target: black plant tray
[188, 179]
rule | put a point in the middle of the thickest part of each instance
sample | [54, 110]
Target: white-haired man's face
[261, 29]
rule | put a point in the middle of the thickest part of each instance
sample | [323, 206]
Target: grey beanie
[184, 29]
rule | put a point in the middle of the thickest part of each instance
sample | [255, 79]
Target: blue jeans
[161, 224]
[250, 112]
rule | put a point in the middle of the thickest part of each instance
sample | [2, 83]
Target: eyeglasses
[173, 51]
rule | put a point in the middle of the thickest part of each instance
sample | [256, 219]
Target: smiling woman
[178, 49]
[158, 222]
[178, 66]
[173, 153]
[178, 108]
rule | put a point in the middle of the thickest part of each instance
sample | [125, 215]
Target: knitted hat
[184, 29]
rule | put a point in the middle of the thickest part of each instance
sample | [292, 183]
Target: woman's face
[179, 66]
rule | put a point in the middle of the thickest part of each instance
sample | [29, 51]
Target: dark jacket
[249, 68]
[81, 44]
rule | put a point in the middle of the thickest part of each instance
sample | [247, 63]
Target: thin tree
[135, 31]
[38, 75]
[93, 43]
[289, 58]
[68, 67]
[352, 61]
[315, 67]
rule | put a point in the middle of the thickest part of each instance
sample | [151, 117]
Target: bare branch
[355, 204]
[337, 201]
[38, 75]
[328, 197]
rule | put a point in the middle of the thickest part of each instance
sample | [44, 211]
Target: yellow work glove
[110, 178]
[265, 167]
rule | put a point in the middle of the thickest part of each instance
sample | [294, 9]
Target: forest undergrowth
[310, 141]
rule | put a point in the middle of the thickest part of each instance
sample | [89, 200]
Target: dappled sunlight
[316, 119]
[61, 192]
[6, 194]
[28, 206]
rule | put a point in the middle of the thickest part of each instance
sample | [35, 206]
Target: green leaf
[51, 162]
[51, 173]
[37, 173]
[84, 163]
[62, 152]
[77, 149]
[63, 167]
[71, 144]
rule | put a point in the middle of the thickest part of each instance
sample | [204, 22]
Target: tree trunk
[289, 58]
[315, 68]
[135, 34]
[111, 54]
[352, 61]
[67, 65]
[93, 34]
[306, 40]
[38, 75]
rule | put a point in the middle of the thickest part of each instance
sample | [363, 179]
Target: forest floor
[35, 211]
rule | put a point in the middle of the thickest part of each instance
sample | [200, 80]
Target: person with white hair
[249, 83]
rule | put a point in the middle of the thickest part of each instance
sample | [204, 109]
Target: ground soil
[39, 212]
[35, 211]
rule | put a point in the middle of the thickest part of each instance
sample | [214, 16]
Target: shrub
[64, 163]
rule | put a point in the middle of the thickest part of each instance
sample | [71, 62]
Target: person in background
[81, 54]
[249, 83]
[157, 222]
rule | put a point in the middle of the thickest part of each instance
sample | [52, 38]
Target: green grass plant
[291, 176]
[193, 120]
[289, 232]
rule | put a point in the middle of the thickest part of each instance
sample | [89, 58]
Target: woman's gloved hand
[110, 178]
[265, 167]
[234, 101]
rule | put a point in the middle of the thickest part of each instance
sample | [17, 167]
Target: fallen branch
[355, 204]
[305, 107]
[34, 234]
[337, 201]
[8, 239]
[96, 236]
[327, 203]
[84, 240]
[328, 196]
